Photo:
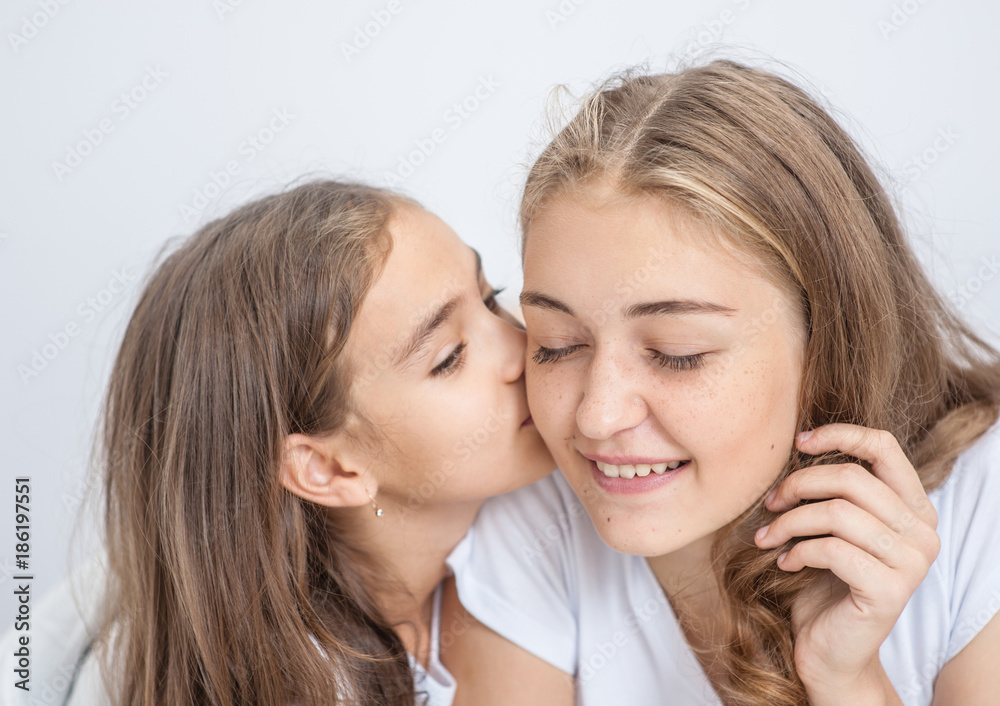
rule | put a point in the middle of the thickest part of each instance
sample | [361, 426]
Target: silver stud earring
[378, 510]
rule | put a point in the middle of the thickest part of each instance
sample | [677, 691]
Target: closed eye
[550, 355]
[452, 364]
[491, 300]
[679, 363]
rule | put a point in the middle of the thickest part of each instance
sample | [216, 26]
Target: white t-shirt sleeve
[514, 570]
[969, 526]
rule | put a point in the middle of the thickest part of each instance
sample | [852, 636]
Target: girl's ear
[327, 471]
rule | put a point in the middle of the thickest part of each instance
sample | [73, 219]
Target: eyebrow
[432, 322]
[669, 307]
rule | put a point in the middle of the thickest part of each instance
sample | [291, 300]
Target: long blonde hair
[755, 156]
[224, 587]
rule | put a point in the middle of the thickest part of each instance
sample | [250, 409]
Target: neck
[410, 547]
[688, 580]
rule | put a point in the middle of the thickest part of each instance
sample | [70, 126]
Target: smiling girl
[287, 462]
[777, 443]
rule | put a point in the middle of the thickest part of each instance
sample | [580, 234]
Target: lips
[619, 474]
[527, 422]
[635, 484]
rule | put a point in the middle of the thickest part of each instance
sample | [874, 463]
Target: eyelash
[551, 355]
[491, 300]
[677, 363]
[453, 363]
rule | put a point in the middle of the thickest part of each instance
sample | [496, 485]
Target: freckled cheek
[686, 406]
[550, 399]
[764, 417]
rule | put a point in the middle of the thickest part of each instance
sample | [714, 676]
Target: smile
[640, 469]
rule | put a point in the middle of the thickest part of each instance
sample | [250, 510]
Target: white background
[915, 82]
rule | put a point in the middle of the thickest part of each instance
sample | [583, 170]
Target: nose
[611, 401]
[513, 346]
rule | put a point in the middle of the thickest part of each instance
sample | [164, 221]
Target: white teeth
[607, 469]
[640, 469]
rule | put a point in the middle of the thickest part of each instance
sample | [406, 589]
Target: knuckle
[846, 550]
[885, 440]
[836, 548]
[851, 472]
[932, 545]
[907, 521]
[857, 435]
[839, 509]
[924, 509]
[862, 560]
[791, 485]
[884, 542]
[917, 563]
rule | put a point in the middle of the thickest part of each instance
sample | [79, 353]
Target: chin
[627, 543]
[641, 537]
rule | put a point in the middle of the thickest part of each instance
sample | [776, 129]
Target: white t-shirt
[65, 672]
[534, 569]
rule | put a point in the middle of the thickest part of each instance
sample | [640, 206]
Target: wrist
[871, 687]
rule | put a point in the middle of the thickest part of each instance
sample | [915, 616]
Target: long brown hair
[224, 587]
[755, 156]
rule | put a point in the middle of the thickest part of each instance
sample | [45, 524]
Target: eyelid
[676, 363]
[456, 358]
[679, 363]
[452, 363]
[543, 355]
[490, 299]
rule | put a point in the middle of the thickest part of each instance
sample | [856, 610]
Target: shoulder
[961, 592]
[967, 500]
[968, 503]
[968, 576]
[517, 570]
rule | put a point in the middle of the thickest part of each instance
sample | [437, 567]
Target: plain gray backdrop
[126, 124]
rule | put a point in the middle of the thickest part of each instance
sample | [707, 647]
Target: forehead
[606, 250]
[601, 230]
[622, 218]
[428, 265]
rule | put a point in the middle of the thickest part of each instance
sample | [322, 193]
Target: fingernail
[770, 496]
[762, 532]
[803, 436]
[781, 557]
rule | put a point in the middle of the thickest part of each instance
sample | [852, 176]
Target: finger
[882, 451]
[843, 520]
[869, 579]
[856, 485]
